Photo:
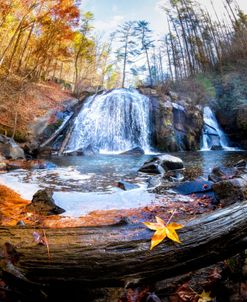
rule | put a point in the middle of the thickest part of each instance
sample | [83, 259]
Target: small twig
[47, 244]
[169, 220]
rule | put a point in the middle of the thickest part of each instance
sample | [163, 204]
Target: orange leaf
[204, 297]
[158, 237]
[163, 231]
[152, 226]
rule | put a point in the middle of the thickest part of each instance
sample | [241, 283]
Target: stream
[82, 184]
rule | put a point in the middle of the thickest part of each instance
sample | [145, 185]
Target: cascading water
[113, 122]
[213, 137]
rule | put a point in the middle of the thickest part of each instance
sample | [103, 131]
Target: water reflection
[201, 163]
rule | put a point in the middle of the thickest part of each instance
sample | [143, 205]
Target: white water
[113, 122]
[213, 135]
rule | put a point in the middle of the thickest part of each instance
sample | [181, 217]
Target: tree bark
[116, 255]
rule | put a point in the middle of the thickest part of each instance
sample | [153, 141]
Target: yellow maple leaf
[205, 297]
[163, 230]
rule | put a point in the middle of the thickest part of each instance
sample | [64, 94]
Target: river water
[85, 183]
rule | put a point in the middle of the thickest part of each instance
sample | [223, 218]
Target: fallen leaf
[163, 230]
[186, 293]
[204, 297]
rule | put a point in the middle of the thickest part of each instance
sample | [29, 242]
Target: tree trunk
[113, 256]
[25, 47]
[125, 62]
[169, 57]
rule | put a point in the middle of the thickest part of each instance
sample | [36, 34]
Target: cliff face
[177, 122]
[231, 106]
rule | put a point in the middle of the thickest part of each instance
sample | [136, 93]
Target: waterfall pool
[82, 184]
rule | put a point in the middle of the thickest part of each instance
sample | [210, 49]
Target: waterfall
[113, 122]
[213, 137]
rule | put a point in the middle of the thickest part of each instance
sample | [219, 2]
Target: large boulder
[223, 173]
[231, 190]
[161, 164]
[10, 149]
[44, 204]
[169, 162]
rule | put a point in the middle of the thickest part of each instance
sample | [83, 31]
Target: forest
[54, 40]
[123, 150]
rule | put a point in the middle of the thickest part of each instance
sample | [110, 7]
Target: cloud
[109, 25]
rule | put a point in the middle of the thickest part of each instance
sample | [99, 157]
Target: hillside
[21, 103]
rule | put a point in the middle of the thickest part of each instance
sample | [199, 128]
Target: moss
[167, 122]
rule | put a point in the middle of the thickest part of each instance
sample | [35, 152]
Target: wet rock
[169, 162]
[216, 148]
[192, 187]
[175, 175]
[126, 186]
[155, 181]
[88, 151]
[162, 164]
[231, 190]
[151, 168]
[79, 152]
[199, 189]
[134, 151]
[223, 173]
[43, 204]
[10, 149]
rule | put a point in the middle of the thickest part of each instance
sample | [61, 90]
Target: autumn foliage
[12, 206]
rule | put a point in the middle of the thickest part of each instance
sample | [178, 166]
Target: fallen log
[58, 131]
[113, 256]
[66, 139]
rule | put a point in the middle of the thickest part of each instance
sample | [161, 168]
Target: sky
[108, 14]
